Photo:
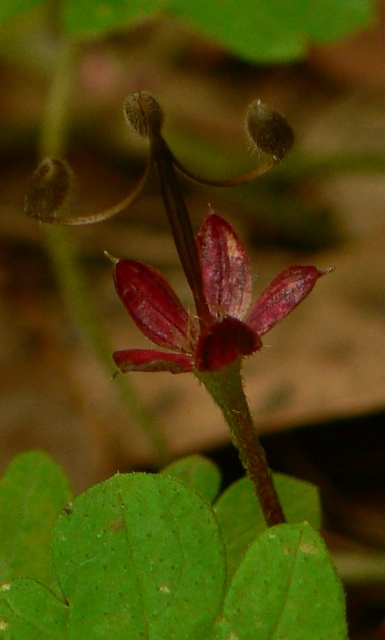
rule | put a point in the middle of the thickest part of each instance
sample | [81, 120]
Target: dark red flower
[231, 332]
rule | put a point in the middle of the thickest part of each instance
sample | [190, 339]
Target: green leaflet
[198, 473]
[33, 611]
[241, 518]
[32, 494]
[285, 587]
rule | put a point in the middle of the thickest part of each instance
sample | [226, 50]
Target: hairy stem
[226, 388]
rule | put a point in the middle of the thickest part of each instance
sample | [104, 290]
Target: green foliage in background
[263, 31]
[147, 556]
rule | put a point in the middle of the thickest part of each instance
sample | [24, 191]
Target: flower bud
[268, 130]
[143, 113]
[48, 189]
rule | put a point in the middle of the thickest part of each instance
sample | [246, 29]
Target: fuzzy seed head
[268, 130]
[48, 189]
[143, 113]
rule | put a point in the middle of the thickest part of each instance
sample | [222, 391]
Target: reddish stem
[180, 225]
[226, 388]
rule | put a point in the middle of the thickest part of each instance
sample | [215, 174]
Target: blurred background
[317, 388]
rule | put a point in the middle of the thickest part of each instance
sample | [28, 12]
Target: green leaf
[274, 30]
[33, 611]
[198, 473]
[140, 556]
[5, 614]
[96, 17]
[285, 587]
[240, 516]
[12, 8]
[32, 494]
[264, 31]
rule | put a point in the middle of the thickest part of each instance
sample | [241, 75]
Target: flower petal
[224, 342]
[225, 268]
[151, 360]
[281, 296]
[152, 304]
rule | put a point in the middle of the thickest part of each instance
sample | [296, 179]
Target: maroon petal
[151, 360]
[152, 304]
[281, 296]
[225, 268]
[224, 342]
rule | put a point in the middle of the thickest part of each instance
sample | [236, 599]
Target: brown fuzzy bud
[143, 113]
[48, 189]
[268, 130]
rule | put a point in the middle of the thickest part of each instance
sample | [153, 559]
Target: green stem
[56, 113]
[226, 388]
[65, 261]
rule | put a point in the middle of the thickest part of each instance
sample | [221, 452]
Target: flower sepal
[151, 360]
[282, 295]
[152, 304]
[225, 342]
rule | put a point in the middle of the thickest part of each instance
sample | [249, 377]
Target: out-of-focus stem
[226, 388]
[64, 259]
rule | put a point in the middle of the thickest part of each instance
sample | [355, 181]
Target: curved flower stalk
[213, 340]
[51, 183]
